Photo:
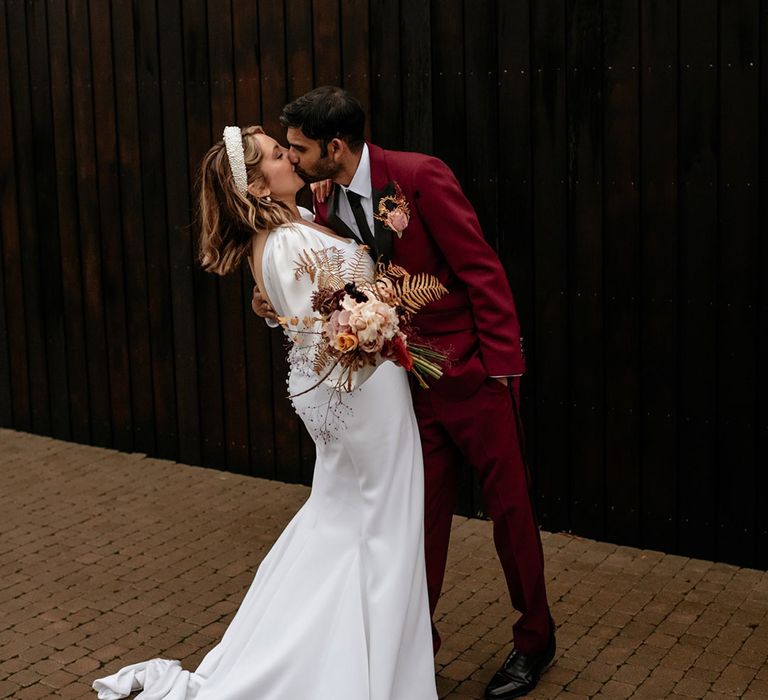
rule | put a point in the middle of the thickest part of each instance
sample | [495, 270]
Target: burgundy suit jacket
[476, 322]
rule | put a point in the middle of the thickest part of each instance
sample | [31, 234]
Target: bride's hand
[321, 190]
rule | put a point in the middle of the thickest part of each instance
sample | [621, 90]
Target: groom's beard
[325, 169]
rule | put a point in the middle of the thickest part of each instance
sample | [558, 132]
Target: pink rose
[397, 220]
[373, 345]
[342, 317]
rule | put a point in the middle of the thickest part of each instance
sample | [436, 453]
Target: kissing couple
[341, 606]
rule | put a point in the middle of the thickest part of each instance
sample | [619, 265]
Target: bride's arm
[290, 295]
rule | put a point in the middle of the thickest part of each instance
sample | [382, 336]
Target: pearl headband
[233, 141]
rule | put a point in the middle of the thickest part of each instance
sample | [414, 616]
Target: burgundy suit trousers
[484, 430]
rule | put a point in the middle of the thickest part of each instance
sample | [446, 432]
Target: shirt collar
[361, 182]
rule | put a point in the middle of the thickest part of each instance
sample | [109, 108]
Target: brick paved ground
[109, 558]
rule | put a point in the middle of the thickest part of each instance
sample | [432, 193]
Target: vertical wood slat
[659, 256]
[449, 100]
[481, 126]
[385, 116]
[89, 225]
[622, 273]
[481, 130]
[549, 170]
[66, 179]
[447, 60]
[155, 229]
[88, 209]
[416, 75]
[247, 67]
[515, 214]
[14, 318]
[200, 137]
[132, 224]
[698, 176]
[6, 402]
[327, 42]
[182, 298]
[49, 250]
[247, 48]
[23, 149]
[6, 163]
[585, 223]
[355, 52]
[738, 279]
[298, 49]
[6, 405]
[762, 340]
[109, 221]
[230, 311]
[274, 95]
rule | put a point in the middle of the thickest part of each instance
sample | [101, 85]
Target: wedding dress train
[338, 608]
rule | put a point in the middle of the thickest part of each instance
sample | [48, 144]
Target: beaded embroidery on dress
[328, 412]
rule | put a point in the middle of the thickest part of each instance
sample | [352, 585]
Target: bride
[338, 608]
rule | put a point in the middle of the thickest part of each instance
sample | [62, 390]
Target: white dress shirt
[361, 184]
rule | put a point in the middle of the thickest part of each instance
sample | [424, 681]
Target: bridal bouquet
[364, 317]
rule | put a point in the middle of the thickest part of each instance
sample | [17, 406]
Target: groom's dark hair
[327, 113]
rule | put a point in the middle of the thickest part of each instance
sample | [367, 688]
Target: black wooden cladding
[613, 151]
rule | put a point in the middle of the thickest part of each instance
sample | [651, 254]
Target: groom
[469, 414]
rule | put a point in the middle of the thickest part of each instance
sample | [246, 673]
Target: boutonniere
[394, 211]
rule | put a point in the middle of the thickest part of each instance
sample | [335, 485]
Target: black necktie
[362, 222]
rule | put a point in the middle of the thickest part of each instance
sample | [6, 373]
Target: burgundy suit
[466, 415]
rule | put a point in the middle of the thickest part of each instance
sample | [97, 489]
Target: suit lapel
[381, 186]
[335, 221]
[381, 232]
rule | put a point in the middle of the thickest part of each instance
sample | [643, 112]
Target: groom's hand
[261, 307]
[514, 382]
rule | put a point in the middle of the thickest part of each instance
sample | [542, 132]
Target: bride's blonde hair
[229, 218]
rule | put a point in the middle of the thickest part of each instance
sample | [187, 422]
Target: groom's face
[307, 156]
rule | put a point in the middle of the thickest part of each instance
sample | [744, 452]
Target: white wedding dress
[338, 608]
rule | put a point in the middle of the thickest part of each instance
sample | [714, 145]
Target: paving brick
[735, 679]
[34, 692]
[94, 579]
[59, 679]
[631, 673]
[8, 689]
[615, 689]
[582, 686]
[692, 687]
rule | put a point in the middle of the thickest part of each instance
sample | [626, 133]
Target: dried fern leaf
[305, 265]
[322, 358]
[324, 265]
[357, 269]
[416, 291]
[395, 271]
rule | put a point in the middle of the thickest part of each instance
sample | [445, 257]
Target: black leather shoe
[520, 673]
